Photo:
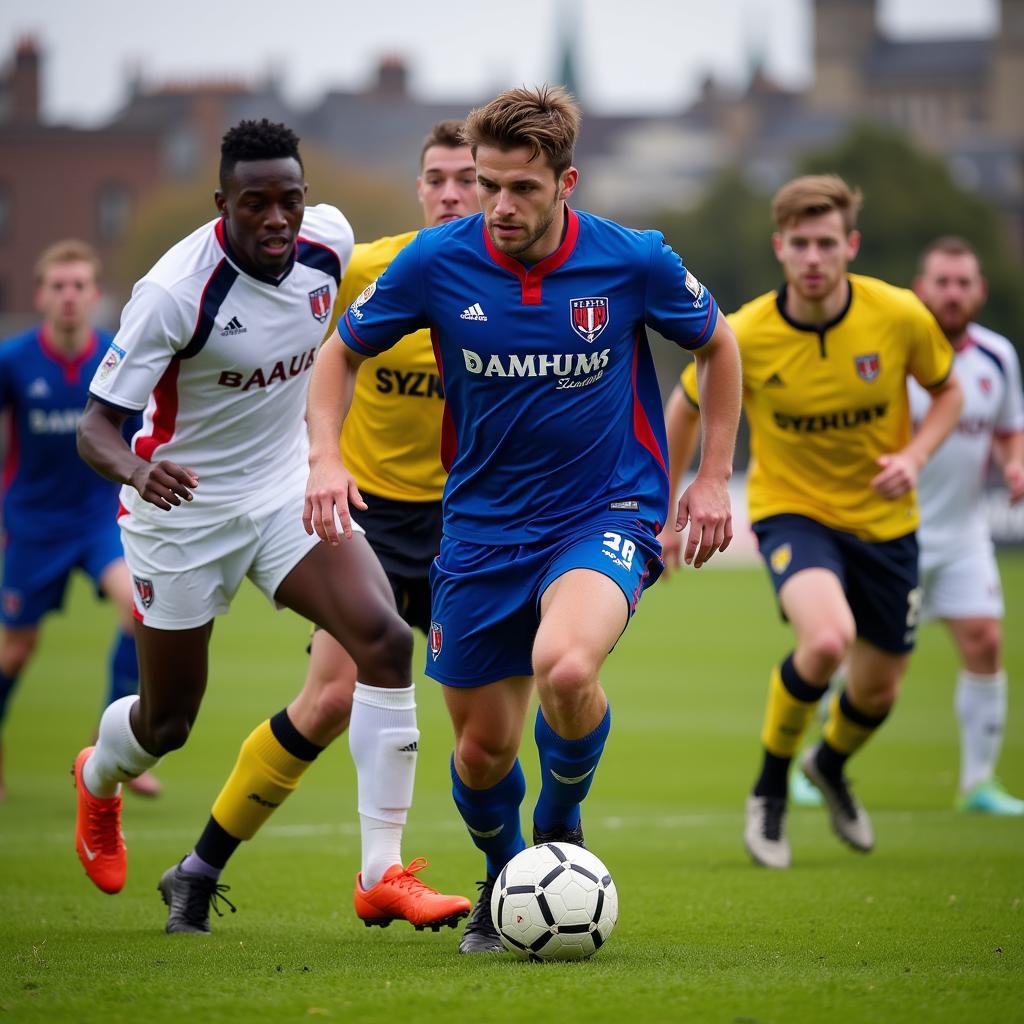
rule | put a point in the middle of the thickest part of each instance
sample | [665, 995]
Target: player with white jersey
[959, 575]
[217, 343]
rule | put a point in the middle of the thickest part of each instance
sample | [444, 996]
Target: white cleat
[765, 832]
[849, 819]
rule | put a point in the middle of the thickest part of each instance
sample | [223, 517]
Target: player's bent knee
[483, 763]
[332, 707]
[827, 648]
[385, 659]
[982, 645]
[16, 652]
[566, 672]
[164, 733]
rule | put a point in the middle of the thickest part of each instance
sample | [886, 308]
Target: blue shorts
[485, 598]
[879, 578]
[36, 571]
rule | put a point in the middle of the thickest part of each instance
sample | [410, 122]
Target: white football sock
[981, 709]
[384, 741]
[118, 757]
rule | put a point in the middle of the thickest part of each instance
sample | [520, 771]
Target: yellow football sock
[791, 704]
[264, 774]
[848, 728]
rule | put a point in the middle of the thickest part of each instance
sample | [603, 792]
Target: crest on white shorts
[144, 591]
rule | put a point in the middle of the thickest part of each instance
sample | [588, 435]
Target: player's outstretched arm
[101, 444]
[705, 503]
[899, 471]
[682, 425]
[330, 485]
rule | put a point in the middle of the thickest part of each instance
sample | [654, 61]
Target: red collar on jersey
[531, 281]
[70, 363]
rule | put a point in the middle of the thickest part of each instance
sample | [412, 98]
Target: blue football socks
[492, 816]
[567, 771]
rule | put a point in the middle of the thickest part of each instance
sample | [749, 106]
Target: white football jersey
[950, 487]
[221, 360]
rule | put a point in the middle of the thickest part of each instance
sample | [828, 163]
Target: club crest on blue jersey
[144, 590]
[436, 639]
[589, 316]
[320, 303]
[868, 366]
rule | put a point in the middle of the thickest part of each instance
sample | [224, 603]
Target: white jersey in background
[221, 361]
[950, 487]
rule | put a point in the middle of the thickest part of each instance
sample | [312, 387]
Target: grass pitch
[930, 927]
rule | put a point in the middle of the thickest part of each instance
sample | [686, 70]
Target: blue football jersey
[48, 489]
[552, 408]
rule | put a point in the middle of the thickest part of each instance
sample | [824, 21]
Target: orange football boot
[401, 896]
[98, 840]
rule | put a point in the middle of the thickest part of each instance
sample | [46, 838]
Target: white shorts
[183, 577]
[963, 586]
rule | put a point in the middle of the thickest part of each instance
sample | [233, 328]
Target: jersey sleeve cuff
[348, 334]
[128, 410]
[942, 380]
[705, 334]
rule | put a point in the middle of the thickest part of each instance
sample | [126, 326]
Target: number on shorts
[914, 599]
[622, 546]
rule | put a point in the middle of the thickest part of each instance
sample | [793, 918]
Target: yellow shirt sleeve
[688, 382]
[931, 355]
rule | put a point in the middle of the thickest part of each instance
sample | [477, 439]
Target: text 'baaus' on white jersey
[221, 360]
[950, 489]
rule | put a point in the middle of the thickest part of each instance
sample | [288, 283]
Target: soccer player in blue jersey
[555, 444]
[58, 515]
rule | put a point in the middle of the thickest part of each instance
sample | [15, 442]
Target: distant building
[57, 182]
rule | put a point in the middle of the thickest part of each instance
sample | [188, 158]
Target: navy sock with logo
[492, 816]
[567, 771]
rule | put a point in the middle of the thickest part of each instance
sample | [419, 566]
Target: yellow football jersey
[824, 404]
[391, 441]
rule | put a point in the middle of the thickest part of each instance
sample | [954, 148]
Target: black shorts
[405, 537]
[879, 578]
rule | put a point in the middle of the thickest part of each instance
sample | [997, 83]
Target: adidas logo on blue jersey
[233, 326]
[38, 388]
[474, 312]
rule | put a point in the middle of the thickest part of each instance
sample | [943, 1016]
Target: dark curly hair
[256, 140]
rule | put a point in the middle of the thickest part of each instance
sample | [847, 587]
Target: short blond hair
[67, 250]
[813, 195]
[545, 119]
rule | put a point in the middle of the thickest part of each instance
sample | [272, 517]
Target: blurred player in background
[217, 343]
[58, 515]
[958, 567]
[832, 473]
[392, 442]
[553, 439]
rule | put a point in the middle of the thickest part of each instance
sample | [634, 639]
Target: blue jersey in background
[48, 490]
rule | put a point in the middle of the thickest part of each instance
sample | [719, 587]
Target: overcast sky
[632, 54]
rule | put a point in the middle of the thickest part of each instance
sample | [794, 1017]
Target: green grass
[929, 927]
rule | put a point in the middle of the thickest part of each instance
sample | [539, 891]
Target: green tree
[726, 238]
[910, 199]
